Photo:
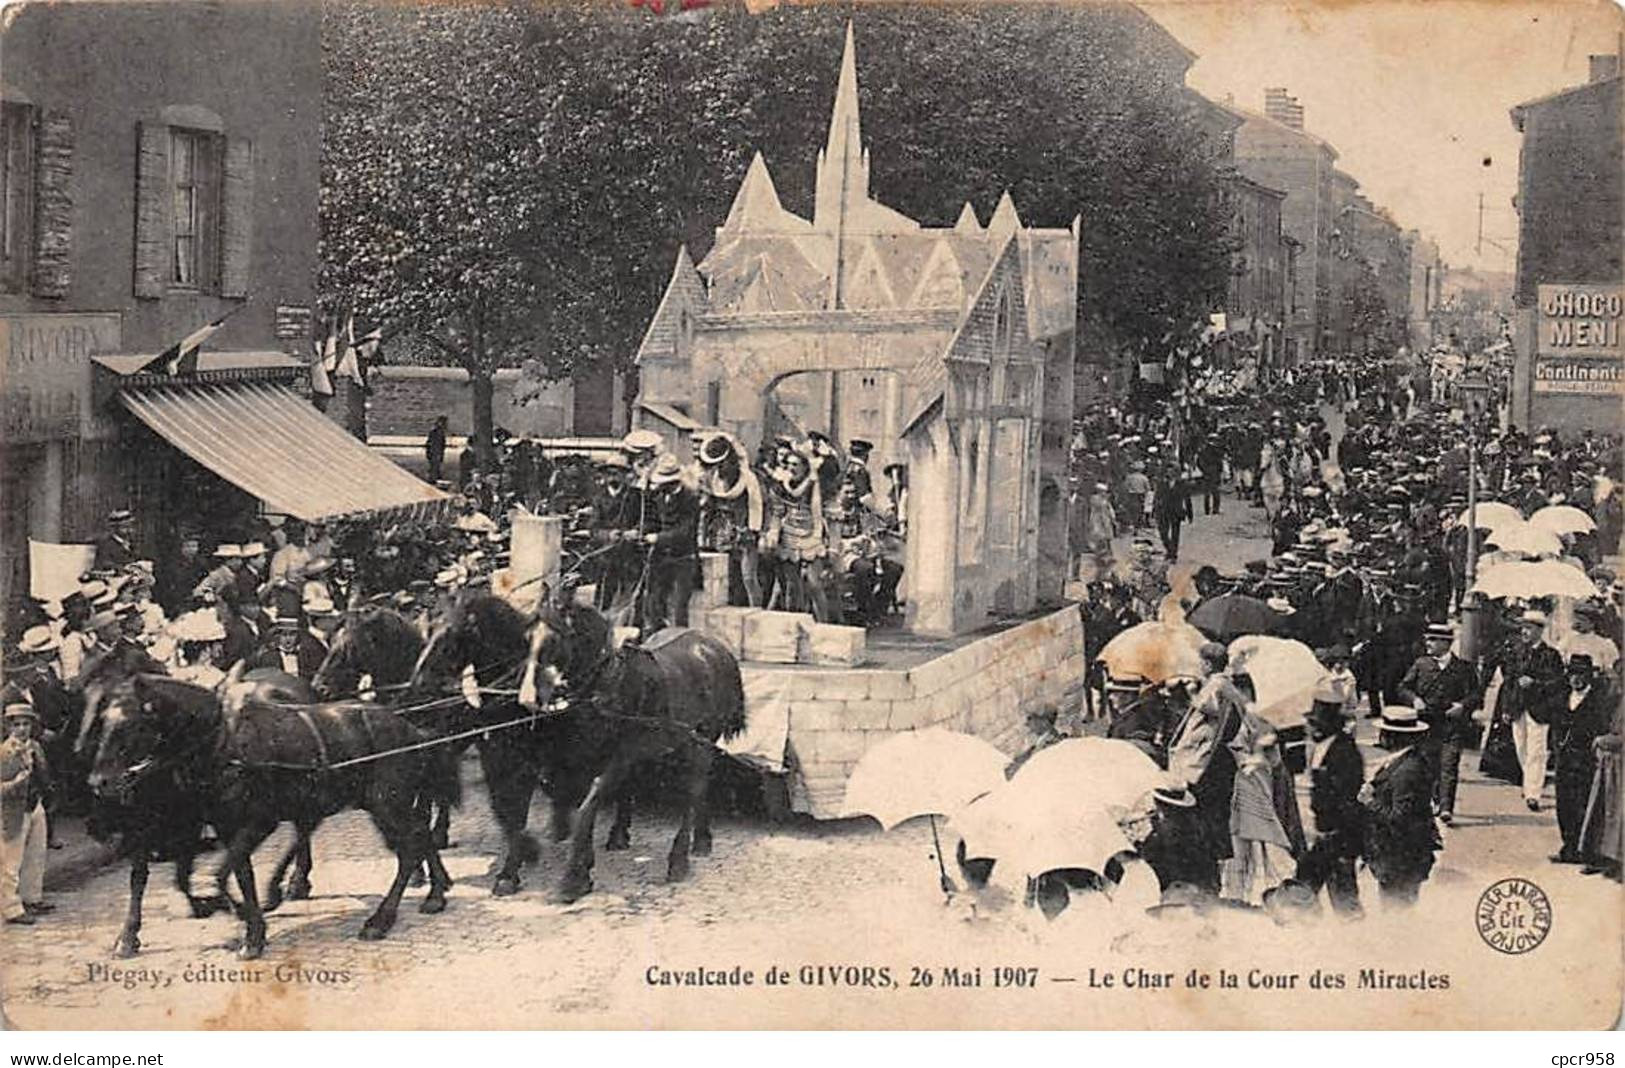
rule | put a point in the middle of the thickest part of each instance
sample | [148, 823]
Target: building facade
[1275, 151]
[950, 348]
[158, 176]
[1426, 290]
[1568, 288]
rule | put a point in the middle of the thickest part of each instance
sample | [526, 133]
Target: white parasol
[1524, 538]
[1284, 673]
[1492, 514]
[1530, 579]
[1563, 519]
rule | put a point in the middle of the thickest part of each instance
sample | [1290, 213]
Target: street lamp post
[1475, 392]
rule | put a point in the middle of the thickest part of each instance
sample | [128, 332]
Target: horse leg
[128, 943]
[442, 826]
[505, 779]
[702, 816]
[439, 880]
[620, 832]
[297, 855]
[253, 946]
[698, 758]
[408, 843]
[202, 907]
[577, 881]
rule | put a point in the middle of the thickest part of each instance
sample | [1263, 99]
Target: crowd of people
[803, 527]
[1363, 477]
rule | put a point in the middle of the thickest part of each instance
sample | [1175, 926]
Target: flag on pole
[181, 357]
[367, 355]
[349, 365]
[321, 385]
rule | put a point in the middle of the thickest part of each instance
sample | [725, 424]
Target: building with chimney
[1275, 151]
[1426, 290]
[1567, 293]
[950, 348]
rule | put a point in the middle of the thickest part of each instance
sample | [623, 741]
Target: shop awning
[267, 440]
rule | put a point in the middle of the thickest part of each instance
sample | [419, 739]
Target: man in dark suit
[1587, 716]
[1444, 689]
[115, 550]
[289, 650]
[434, 448]
[1336, 773]
[1400, 838]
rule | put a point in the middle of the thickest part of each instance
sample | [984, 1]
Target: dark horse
[602, 710]
[381, 644]
[262, 765]
[158, 817]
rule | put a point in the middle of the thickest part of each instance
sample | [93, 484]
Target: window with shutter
[195, 166]
[194, 206]
[53, 206]
[17, 149]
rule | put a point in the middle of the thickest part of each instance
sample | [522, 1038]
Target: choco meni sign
[1577, 339]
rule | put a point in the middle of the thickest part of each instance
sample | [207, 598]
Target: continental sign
[1577, 340]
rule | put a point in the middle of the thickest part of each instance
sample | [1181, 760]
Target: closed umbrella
[1563, 519]
[1529, 579]
[1233, 615]
[1156, 651]
[1524, 538]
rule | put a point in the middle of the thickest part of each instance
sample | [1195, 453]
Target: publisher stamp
[1514, 916]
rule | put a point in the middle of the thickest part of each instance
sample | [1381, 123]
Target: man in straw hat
[1444, 688]
[25, 783]
[1400, 838]
[670, 531]
[1533, 689]
[1336, 773]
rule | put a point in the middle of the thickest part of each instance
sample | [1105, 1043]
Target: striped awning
[270, 442]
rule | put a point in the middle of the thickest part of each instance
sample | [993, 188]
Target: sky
[1415, 96]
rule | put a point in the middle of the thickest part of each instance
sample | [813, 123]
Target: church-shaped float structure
[950, 348]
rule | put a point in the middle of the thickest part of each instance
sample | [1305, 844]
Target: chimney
[1283, 108]
[1604, 67]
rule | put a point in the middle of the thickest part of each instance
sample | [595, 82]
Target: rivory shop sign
[1577, 333]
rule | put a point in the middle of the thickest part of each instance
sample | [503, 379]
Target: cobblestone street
[841, 895]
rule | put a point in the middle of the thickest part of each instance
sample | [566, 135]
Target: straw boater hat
[319, 607]
[198, 625]
[1174, 797]
[38, 640]
[1125, 683]
[1440, 632]
[253, 549]
[641, 441]
[667, 470]
[1402, 719]
[21, 710]
[227, 551]
[1533, 615]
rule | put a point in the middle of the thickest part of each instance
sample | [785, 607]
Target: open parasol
[1104, 771]
[1284, 673]
[1530, 579]
[1156, 651]
[1492, 514]
[928, 772]
[1232, 615]
[1563, 519]
[1034, 827]
[1525, 539]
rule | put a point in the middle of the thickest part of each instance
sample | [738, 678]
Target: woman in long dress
[1264, 845]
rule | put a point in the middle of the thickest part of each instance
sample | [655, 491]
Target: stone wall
[405, 401]
[985, 688]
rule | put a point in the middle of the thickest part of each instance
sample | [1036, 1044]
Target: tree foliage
[513, 182]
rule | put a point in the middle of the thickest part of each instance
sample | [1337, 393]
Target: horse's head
[340, 673]
[134, 724]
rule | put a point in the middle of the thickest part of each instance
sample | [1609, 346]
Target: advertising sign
[1577, 340]
[47, 372]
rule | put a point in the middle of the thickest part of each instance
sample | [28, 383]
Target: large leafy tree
[512, 183]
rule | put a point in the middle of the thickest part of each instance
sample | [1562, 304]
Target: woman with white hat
[200, 638]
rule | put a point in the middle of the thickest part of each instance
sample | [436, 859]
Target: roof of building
[1559, 97]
